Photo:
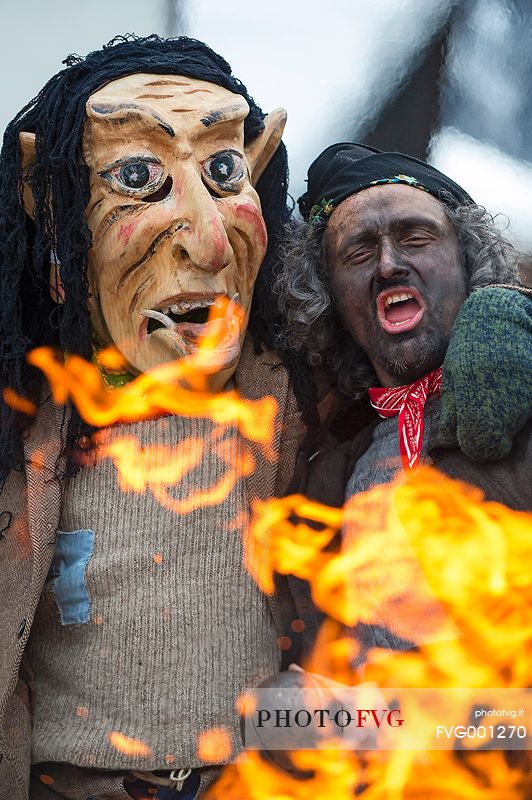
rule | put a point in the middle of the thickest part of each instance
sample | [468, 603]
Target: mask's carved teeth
[159, 316]
[195, 312]
[186, 305]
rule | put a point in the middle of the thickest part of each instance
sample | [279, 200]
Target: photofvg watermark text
[324, 717]
[511, 713]
[367, 717]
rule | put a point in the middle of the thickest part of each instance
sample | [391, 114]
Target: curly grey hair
[314, 328]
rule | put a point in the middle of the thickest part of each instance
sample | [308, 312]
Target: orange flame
[214, 745]
[112, 359]
[160, 467]
[11, 398]
[276, 544]
[151, 394]
[425, 549]
[333, 775]
[128, 746]
[444, 775]
[176, 388]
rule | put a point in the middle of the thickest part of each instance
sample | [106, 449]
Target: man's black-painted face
[397, 277]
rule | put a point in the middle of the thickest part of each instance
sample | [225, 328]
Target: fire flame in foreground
[424, 544]
[424, 556]
[177, 388]
[442, 568]
[128, 746]
[151, 394]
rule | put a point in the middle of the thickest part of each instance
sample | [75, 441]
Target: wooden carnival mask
[175, 220]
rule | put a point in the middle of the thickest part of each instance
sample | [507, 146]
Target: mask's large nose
[200, 237]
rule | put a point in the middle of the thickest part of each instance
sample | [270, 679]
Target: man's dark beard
[423, 353]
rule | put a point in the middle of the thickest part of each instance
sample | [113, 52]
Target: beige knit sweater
[149, 625]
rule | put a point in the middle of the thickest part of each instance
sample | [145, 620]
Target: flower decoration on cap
[408, 179]
[320, 210]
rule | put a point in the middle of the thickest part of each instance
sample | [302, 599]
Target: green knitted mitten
[487, 373]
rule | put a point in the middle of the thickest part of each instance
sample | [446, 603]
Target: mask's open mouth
[206, 327]
[400, 309]
[174, 313]
[198, 316]
[184, 320]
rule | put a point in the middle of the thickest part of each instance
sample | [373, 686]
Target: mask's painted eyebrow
[167, 83]
[110, 112]
[225, 114]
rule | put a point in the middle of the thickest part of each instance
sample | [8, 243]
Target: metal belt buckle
[179, 779]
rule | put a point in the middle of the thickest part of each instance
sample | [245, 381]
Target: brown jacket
[30, 506]
[324, 466]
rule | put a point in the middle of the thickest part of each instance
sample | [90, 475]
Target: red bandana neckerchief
[409, 402]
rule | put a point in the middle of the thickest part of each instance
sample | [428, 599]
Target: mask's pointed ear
[261, 149]
[27, 150]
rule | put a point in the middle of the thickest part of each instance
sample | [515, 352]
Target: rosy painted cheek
[127, 241]
[126, 230]
[251, 216]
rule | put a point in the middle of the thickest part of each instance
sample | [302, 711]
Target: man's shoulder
[324, 466]
[505, 481]
[260, 371]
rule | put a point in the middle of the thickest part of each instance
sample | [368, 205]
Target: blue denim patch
[72, 552]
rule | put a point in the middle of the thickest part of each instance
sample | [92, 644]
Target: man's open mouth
[400, 309]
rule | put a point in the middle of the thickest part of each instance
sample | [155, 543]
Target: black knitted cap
[346, 168]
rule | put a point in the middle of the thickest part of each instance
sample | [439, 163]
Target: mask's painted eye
[135, 175]
[225, 168]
